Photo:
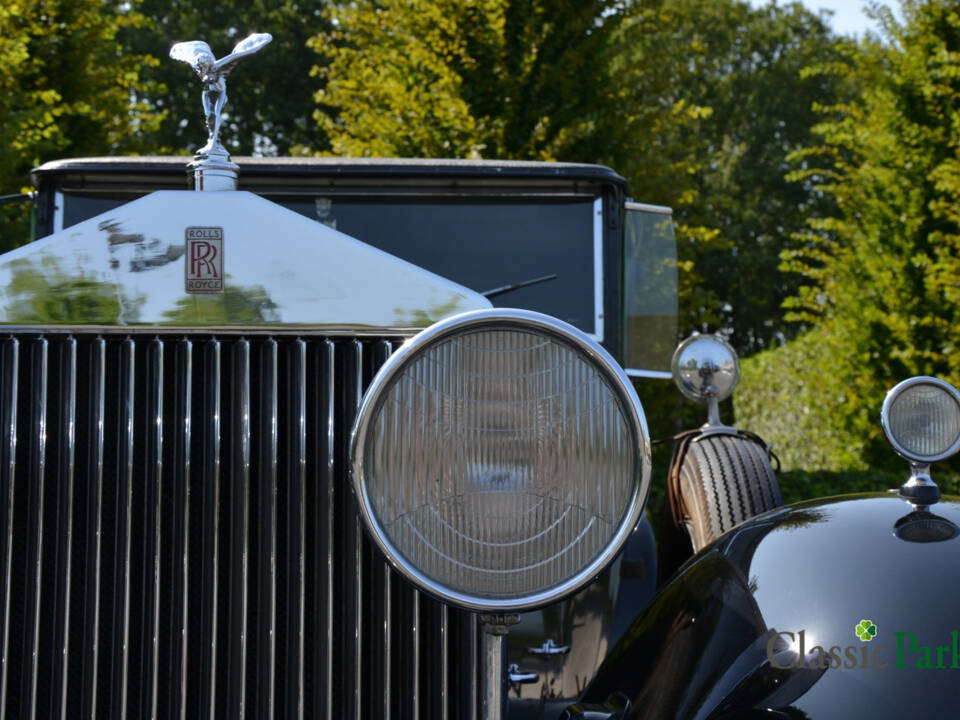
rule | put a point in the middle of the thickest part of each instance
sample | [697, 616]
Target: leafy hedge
[800, 485]
[781, 398]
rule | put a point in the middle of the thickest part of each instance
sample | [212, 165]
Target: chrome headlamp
[921, 419]
[500, 459]
[706, 369]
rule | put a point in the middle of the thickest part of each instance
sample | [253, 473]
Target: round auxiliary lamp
[500, 460]
[706, 369]
[921, 421]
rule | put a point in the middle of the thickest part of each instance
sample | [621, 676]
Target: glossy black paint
[700, 649]
[587, 624]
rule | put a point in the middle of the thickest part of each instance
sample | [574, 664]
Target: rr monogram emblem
[204, 260]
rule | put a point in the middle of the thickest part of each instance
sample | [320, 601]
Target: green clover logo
[866, 630]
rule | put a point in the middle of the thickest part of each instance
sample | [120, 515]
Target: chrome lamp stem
[493, 671]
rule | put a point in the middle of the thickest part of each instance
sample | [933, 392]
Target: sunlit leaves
[882, 274]
[66, 89]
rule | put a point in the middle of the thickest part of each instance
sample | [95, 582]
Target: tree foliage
[698, 103]
[444, 78]
[65, 90]
[747, 65]
[881, 274]
[270, 107]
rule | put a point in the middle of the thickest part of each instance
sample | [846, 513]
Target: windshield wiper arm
[516, 286]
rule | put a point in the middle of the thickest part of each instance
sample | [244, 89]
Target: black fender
[765, 619]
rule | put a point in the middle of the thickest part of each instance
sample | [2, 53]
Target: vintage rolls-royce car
[358, 439]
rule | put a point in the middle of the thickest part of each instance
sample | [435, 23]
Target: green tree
[443, 78]
[881, 274]
[737, 74]
[698, 103]
[269, 109]
[65, 90]
[752, 76]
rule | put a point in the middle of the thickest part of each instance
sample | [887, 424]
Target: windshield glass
[482, 244]
[650, 289]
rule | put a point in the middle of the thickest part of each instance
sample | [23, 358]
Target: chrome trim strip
[8, 402]
[415, 646]
[471, 651]
[239, 533]
[523, 320]
[644, 207]
[297, 505]
[383, 351]
[57, 211]
[121, 649]
[182, 500]
[266, 510]
[598, 270]
[652, 374]
[37, 474]
[356, 353]
[64, 491]
[328, 478]
[91, 632]
[155, 372]
[227, 331]
[210, 474]
[444, 659]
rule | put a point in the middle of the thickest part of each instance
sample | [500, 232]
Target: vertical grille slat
[262, 628]
[37, 484]
[238, 512]
[351, 557]
[441, 671]
[122, 571]
[468, 655]
[61, 488]
[92, 444]
[180, 538]
[382, 576]
[204, 646]
[150, 542]
[10, 358]
[294, 549]
[322, 494]
[176, 554]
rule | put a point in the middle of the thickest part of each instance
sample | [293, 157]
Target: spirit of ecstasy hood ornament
[211, 166]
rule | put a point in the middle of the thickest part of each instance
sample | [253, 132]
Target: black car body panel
[820, 567]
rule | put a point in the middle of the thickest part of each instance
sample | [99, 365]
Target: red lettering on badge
[201, 259]
[203, 269]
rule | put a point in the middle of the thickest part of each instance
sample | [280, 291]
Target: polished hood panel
[822, 568]
[127, 267]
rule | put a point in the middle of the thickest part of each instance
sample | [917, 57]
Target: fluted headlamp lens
[921, 418]
[500, 460]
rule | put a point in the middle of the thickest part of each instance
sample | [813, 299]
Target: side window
[650, 290]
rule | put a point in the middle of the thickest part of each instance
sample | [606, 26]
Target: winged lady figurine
[213, 73]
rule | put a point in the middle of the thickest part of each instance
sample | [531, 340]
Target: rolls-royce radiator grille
[179, 538]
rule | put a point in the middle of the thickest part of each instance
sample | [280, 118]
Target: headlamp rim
[892, 396]
[520, 320]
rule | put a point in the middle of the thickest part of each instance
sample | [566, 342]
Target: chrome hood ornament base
[211, 166]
